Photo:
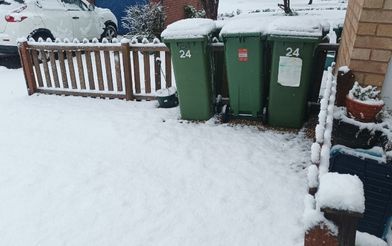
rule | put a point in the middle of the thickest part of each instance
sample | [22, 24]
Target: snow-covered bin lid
[189, 29]
[307, 26]
[249, 25]
[342, 192]
[220, 23]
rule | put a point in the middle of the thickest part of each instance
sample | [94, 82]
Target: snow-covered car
[52, 19]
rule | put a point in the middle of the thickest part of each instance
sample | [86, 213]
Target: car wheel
[110, 32]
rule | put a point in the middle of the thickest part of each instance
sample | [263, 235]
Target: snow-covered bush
[192, 12]
[364, 94]
[144, 20]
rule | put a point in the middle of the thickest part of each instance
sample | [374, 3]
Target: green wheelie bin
[339, 31]
[291, 75]
[191, 62]
[246, 73]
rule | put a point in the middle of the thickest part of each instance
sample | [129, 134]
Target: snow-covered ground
[79, 171]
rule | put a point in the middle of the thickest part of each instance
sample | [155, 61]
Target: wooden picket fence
[104, 70]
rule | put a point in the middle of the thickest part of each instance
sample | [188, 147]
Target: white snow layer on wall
[189, 28]
[341, 192]
[315, 152]
[309, 26]
[324, 127]
[313, 176]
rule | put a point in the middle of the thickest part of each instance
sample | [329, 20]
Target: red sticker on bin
[243, 55]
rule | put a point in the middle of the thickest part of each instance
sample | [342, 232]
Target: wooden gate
[105, 70]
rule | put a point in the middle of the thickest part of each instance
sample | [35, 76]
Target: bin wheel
[218, 104]
[225, 113]
[264, 116]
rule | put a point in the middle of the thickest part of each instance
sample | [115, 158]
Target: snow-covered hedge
[144, 20]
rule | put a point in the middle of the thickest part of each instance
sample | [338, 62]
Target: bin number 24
[185, 54]
[291, 52]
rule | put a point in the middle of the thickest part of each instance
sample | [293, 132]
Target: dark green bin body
[287, 105]
[193, 77]
[339, 31]
[246, 79]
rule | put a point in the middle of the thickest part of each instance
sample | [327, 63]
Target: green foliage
[144, 20]
[368, 93]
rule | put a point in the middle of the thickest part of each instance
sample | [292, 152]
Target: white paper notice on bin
[290, 69]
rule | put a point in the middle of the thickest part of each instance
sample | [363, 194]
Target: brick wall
[174, 9]
[366, 45]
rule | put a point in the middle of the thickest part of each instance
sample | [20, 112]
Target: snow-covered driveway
[79, 171]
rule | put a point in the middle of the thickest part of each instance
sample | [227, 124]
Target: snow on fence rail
[321, 147]
[318, 229]
[331, 214]
[109, 70]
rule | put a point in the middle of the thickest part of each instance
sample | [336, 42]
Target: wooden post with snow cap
[318, 230]
[126, 51]
[341, 198]
[347, 223]
[27, 65]
[345, 81]
[320, 236]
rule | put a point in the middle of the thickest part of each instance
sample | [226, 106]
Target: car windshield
[75, 3]
[9, 2]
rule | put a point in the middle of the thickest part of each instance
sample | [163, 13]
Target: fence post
[168, 69]
[126, 51]
[346, 221]
[320, 235]
[344, 83]
[27, 68]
